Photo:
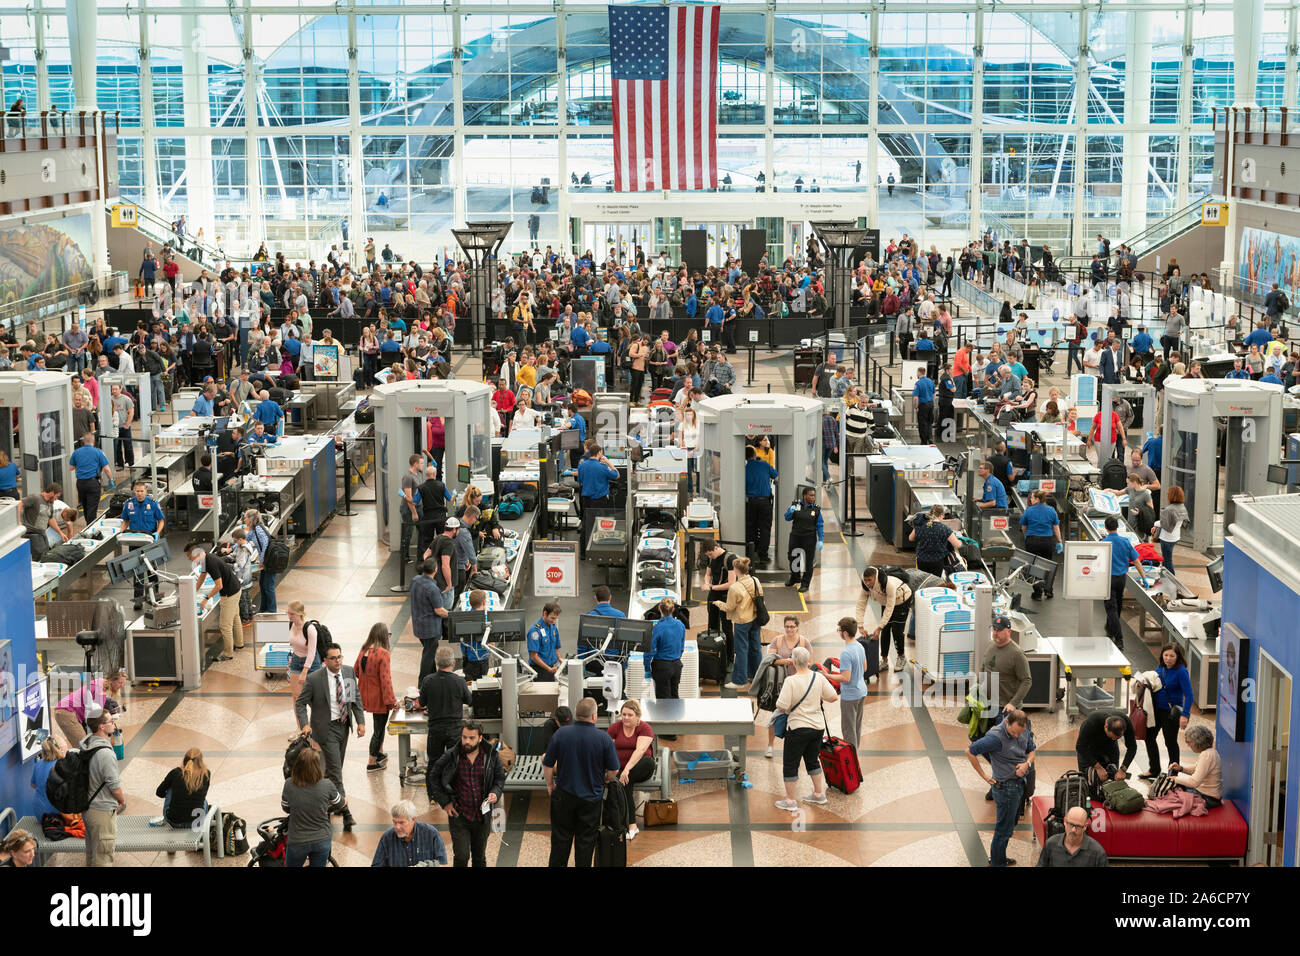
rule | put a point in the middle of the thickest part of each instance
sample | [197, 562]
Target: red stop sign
[1086, 570]
[554, 575]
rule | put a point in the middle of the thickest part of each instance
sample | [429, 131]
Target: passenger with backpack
[305, 641]
[891, 591]
[102, 791]
[272, 555]
[1009, 745]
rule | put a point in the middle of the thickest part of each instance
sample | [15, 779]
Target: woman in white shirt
[688, 437]
[802, 697]
[525, 415]
[1206, 778]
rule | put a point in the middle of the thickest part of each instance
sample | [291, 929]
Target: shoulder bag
[780, 720]
[761, 617]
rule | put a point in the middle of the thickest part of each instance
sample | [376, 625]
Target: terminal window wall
[514, 178]
[404, 70]
[926, 68]
[506, 59]
[822, 68]
[18, 70]
[1029, 66]
[1270, 87]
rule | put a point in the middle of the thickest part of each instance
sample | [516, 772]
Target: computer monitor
[1215, 572]
[467, 626]
[1040, 570]
[637, 635]
[1278, 474]
[128, 566]
[593, 629]
[463, 473]
[507, 626]
[569, 439]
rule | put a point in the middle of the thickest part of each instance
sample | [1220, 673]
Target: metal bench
[527, 774]
[133, 834]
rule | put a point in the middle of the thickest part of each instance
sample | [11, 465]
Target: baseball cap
[1001, 623]
[452, 524]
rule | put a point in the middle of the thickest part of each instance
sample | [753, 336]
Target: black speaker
[753, 244]
[695, 250]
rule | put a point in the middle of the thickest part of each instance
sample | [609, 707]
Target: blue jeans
[266, 581]
[1006, 797]
[157, 392]
[961, 385]
[313, 854]
[692, 474]
[749, 651]
[76, 361]
[1167, 555]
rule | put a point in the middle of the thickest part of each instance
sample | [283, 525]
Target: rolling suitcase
[611, 846]
[872, 649]
[713, 656]
[840, 764]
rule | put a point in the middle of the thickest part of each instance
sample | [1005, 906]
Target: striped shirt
[857, 422]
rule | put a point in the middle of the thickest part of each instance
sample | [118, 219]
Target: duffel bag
[487, 581]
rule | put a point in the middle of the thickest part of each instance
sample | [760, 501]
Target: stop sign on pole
[554, 574]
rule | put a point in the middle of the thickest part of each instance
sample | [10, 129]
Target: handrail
[154, 226]
[52, 302]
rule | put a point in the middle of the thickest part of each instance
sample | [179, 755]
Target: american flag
[664, 67]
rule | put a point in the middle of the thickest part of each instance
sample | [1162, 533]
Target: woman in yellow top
[740, 610]
[764, 451]
[521, 320]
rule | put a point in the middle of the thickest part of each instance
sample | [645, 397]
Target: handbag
[1137, 716]
[780, 720]
[660, 813]
[761, 617]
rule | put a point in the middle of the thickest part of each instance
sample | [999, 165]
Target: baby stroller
[274, 835]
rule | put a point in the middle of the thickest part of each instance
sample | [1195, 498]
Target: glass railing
[1175, 224]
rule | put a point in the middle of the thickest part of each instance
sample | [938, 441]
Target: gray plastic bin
[716, 765]
[1092, 698]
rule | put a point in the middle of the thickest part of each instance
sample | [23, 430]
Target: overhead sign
[555, 568]
[124, 216]
[1214, 214]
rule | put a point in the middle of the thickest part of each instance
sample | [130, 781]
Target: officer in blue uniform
[759, 476]
[594, 475]
[806, 534]
[578, 424]
[923, 391]
[90, 463]
[268, 412]
[1042, 529]
[603, 608]
[1122, 554]
[142, 515]
[995, 493]
[544, 643]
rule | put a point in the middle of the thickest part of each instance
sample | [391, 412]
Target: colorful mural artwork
[41, 257]
[1267, 257]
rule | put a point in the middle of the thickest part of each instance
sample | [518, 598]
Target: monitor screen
[569, 439]
[467, 626]
[1277, 474]
[463, 473]
[594, 628]
[507, 626]
[628, 631]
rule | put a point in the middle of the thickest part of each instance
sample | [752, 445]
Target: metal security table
[1089, 658]
[725, 716]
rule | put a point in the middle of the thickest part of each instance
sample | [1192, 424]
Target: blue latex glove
[819, 545]
[647, 675]
[1059, 547]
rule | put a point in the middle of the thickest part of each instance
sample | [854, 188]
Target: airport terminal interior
[880, 420]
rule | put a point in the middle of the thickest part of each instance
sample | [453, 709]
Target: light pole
[838, 240]
[480, 242]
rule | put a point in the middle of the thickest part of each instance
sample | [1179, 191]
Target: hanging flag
[664, 70]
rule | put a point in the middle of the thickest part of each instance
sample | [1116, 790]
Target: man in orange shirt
[961, 370]
[1116, 430]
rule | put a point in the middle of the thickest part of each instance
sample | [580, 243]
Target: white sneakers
[818, 799]
[787, 805]
[632, 831]
[768, 753]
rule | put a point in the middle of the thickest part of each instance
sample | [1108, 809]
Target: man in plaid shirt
[830, 442]
[463, 781]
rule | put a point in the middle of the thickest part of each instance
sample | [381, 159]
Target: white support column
[148, 136]
[256, 226]
[356, 162]
[873, 120]
[42, 60]
[1247, 36]
[1082, 97]
[458, 117]
[1292, 63]
[769, 102]
[1137, 112]
[198, 149]
[1185, 117]
[976, 126]
[562, 198]
[83, 49]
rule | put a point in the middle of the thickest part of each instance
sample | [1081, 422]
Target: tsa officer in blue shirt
[759, 476]
[544, 643]
[713, 320]
[1237, 370]
[603, 608]
[141, 514]
[268, 412]
[1142, 344]
[260, 435]
[1042, 528]
[1122, 554]
[995, 493]
[594, 475]
[577, 422]
[663, 664]
[923, 392]
[90, 463]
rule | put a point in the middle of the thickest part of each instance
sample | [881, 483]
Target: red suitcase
[840, 764]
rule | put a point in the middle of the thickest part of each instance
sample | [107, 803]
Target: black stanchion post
[749, 379]
[852, 509]
[347, 511]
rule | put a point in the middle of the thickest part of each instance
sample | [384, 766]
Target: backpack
[296, 746]
[1122, 798]
[117, 502]
[581, 397]
[487, 581]
[491, 555]
[68, 785]
[1114, 476]
[1071, 791]
[232, 836]
[1282, 302]
[769, 688]
[656, 575]
[527, 495]
[655, 554]
[510, 507]
[323, 637]
[614, 807]
[276, 559]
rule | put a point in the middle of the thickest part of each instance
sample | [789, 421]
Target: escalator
[126, 245]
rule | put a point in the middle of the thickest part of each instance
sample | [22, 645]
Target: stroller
[274, 834]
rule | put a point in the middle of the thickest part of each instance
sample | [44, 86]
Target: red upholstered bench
[1158, 836]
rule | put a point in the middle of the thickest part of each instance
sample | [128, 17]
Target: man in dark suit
[335, 703]
[1112, 361]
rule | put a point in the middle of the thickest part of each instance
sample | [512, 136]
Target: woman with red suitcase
[801, 700]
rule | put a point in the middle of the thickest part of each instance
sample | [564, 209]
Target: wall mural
[40, 257]
[1267, 257]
